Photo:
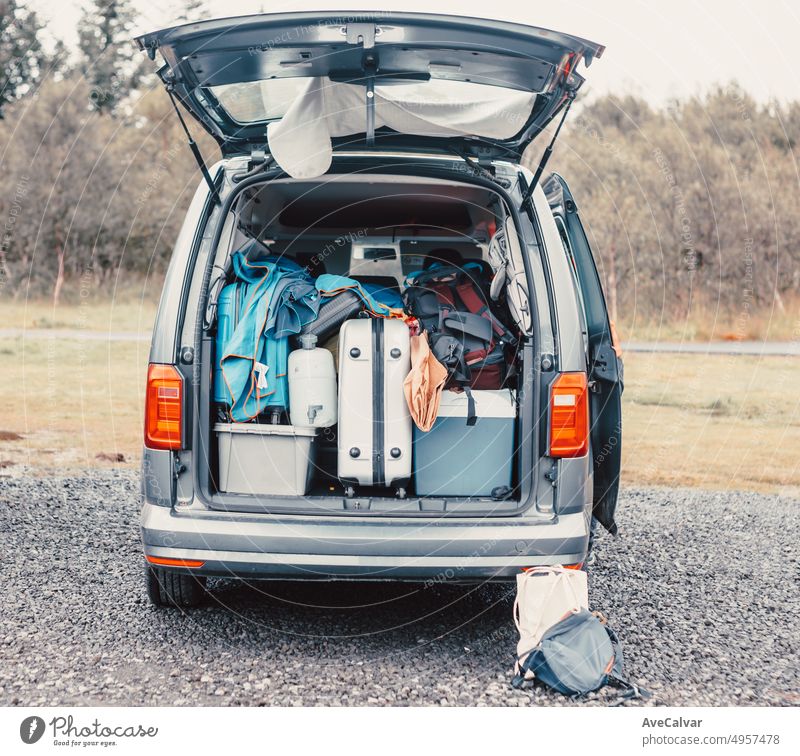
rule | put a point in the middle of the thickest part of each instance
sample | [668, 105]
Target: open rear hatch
[239, 75]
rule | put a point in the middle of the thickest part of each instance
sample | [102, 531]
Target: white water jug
[312, 385]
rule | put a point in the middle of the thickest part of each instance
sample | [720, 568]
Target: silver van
[427, 156]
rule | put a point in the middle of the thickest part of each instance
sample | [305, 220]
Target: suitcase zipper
[377, 402]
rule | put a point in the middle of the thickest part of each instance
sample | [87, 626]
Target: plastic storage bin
[276, 460]
[456, 459]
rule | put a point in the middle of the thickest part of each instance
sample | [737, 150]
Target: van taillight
[569, 416]
[162, 407]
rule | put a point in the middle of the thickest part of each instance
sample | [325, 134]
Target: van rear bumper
[324, 548]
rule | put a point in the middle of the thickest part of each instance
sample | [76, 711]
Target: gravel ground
[701, 587]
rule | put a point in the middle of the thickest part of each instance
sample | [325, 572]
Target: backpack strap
[470, 328]
[522, 666]
[472, 417]
[444, 295]
[475, 304]
[444, 298]
[475, 356]
[453, 285]
[629, 690]
[449, 350]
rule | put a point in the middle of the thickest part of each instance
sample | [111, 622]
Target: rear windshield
[254, 101]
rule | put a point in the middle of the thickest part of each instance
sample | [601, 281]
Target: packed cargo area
[366, 339]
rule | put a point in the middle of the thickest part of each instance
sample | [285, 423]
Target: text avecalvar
[680, 722]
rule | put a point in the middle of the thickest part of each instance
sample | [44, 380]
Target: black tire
[176, 589]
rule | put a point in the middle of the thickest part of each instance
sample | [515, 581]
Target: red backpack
[465, 335]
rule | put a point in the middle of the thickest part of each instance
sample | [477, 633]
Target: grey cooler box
[276, 460]
[456, 459]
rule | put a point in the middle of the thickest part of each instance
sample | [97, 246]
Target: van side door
[605, 367]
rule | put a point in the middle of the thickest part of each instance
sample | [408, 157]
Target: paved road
[763, 348]
[700, 586]
[72, 334]
[760, 348]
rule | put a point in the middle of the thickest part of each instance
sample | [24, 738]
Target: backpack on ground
[575, 656]
[562, 644]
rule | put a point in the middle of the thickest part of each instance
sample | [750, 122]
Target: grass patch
[707, 322]
[71, 400]
[720, 407]
[725, 422]
[92, 308]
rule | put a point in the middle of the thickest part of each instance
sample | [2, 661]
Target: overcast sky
[656, 49]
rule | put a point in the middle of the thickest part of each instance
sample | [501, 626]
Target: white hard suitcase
[374, 435]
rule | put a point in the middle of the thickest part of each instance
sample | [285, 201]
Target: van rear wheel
[176, 589]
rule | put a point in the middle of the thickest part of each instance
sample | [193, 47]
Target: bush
[90, 194]
[691, 206]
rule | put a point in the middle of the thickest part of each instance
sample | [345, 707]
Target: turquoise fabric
[384, 295]
[329, 285]
[294, 303]
[254, 362]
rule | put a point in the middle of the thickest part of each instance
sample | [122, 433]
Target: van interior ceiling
[293, 217]
[380, 231]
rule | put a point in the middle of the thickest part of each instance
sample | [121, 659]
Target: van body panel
[605, 368]
[324, 548]
[163, 345]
